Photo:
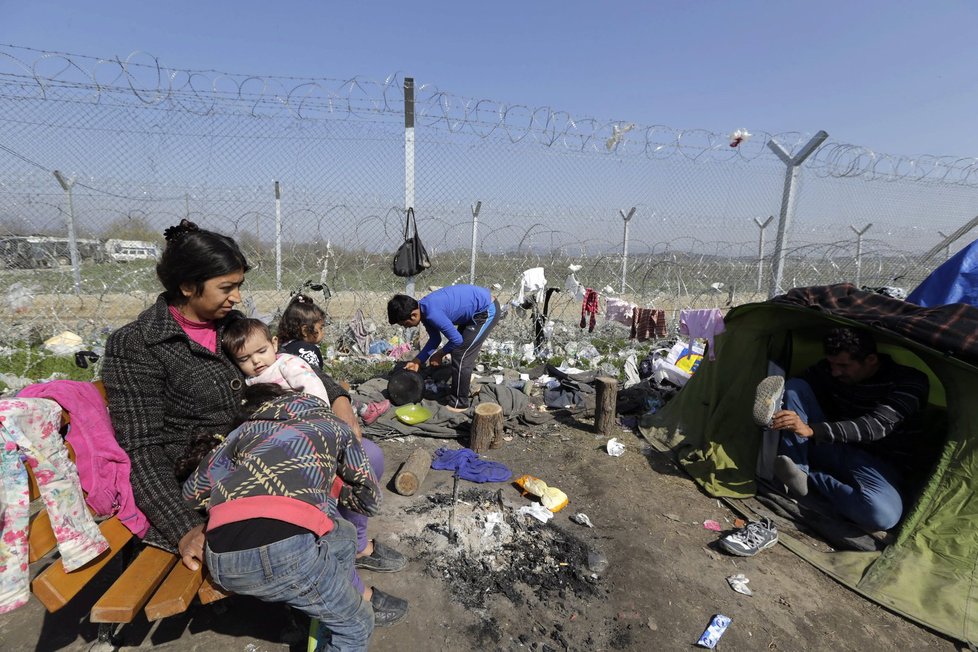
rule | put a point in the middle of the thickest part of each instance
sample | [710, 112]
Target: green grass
[38, 364]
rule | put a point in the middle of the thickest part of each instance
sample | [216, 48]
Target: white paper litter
[582, 519]
[615, 447]
[537, 511]
[738, 583]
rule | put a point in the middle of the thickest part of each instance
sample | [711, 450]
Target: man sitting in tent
[844, 429]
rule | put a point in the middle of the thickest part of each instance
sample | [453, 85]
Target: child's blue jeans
[309, 574]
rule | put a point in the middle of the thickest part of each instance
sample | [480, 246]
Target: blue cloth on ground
[467, 464]
[956, 281]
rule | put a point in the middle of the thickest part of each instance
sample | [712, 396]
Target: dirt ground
[511, 583]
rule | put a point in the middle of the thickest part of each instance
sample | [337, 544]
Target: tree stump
[412, 473]
[487, 425]
[604, 410]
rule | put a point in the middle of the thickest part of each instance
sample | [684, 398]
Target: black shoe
[388, 610]
[383, 559]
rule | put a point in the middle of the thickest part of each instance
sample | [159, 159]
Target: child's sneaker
[373, 411]
[751, 539]
[767, 400]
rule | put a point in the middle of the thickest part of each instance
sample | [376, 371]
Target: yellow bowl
[412, 414]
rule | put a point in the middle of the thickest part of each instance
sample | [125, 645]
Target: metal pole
[409, 159]
[67, 185]
[475, 227]
[947, 247]
[760, 250]
[859, 251]
[624, 245]
[788, 201]
[278, 236]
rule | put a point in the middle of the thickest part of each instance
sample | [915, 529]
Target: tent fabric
[955, 281]
[929, 573]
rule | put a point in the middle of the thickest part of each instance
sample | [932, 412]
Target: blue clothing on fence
[445, 309]
[467, 464]
[955, 281]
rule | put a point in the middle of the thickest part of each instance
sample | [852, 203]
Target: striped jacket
[284, 463]
[867, 411]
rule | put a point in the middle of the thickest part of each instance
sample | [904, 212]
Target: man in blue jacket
[464, 314]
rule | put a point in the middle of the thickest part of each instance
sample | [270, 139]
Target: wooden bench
[154, 581]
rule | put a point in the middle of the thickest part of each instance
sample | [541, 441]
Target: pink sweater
[103, 467]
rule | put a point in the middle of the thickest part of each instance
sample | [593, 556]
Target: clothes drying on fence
[575, 287]
[589, 309]
[29, 432]
[648, 323]
[103, 466]
[702, 324]
[532, 282]
[619, 310]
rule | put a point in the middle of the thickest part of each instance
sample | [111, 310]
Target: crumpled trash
[710, 524]
[537, 511]
[738, 583]
[64, 343]
[582, 519]
[615, 448]
[550, 497]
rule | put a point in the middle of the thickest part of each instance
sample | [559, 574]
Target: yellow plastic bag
[550, 497]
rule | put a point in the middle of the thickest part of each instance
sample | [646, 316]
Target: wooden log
[412, 473]
[487, 424]
[604, 410]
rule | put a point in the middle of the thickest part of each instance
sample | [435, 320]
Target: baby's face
[257, 354]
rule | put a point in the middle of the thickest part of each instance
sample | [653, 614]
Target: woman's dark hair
[858, 344]
[253, 398]
[302, 312]
[237, 331]
[195, 255]
[400, 307]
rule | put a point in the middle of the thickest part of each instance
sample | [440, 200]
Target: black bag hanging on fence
[411, 257]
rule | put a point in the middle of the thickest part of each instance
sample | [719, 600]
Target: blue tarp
[956, 281]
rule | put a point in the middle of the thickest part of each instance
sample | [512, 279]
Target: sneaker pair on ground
[751, 539]
[388, 609]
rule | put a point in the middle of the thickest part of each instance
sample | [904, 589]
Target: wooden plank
[133, 589]
[176, 594]
[209, 591]
[54, 587]
[41, 540]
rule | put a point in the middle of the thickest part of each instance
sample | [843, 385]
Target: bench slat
[210, 592]
[133, 589]
[42, 540]
[176, 593]
[54, 587]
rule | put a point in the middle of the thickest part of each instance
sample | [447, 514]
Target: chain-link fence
[112, 151]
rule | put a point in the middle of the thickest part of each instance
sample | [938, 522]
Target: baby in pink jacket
[253, 348]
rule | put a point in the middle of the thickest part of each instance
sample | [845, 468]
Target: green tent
[928, 573]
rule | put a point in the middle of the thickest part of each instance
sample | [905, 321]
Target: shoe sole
[744, 553]
[375, 569]
[767, 400]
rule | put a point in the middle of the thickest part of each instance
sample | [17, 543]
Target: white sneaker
[767, 400]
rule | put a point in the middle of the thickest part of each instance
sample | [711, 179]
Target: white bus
[129, 250]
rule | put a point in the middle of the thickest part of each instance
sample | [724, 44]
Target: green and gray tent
[928, 572]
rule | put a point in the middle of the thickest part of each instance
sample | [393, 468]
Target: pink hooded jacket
[103, 467]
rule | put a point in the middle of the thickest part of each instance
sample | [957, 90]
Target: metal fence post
[793, 167]
[760, 250]
[409, 159]
[278, 236]
[67, 185]
[624, 245]
[947, 248]
[475, 227]
[859, 251]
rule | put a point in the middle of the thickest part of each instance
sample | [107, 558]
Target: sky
[897, 77]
